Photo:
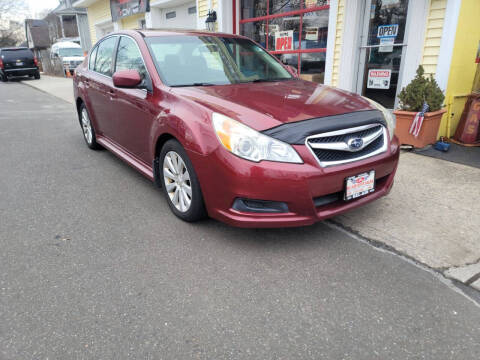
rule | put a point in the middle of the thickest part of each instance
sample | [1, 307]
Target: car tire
[87, 128]
[37, 76]
[4, 78]
[180, 184]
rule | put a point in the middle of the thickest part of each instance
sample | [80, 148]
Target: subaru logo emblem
[355, 144]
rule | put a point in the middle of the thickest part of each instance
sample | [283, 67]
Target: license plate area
[359, 185]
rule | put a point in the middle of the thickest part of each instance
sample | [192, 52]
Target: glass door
[382, 49]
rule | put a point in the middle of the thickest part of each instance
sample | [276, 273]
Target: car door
[99, 85]
[134, 113]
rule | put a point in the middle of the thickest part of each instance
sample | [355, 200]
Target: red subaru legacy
[227, 131]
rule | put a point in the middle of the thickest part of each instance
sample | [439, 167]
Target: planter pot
[428, 132]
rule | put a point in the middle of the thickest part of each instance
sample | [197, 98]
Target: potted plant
[420, 91]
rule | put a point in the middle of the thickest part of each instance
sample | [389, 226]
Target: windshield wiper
[195, 84]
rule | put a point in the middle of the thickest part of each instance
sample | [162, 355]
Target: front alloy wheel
[177, 181]
[180, 182]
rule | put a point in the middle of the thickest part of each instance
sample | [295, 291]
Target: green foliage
[420, 90]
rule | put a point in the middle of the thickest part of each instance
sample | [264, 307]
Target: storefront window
[312, 67]
[315, 30]
[255, 31]
[253, 8]
[279, 6]
[288, 59]
[295, 31]
[277, 27]
[316, 3]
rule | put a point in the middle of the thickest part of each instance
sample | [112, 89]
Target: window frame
[114, 55]
[148, 80]
[95, 49]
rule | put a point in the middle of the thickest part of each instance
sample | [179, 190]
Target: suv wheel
[87, 128]
[180, 183]
[4, 77]
[37, 75]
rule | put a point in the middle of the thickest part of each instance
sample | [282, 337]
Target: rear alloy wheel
[180, 183]
[87, 128]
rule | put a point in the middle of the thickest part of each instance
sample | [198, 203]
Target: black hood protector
[295, 133]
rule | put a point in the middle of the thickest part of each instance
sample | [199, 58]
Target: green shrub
[421, 90]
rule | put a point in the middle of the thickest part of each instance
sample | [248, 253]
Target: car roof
[176, 32]
[14, 48]
[66, 44]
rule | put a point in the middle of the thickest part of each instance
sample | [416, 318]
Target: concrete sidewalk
[57, 86]
[432, 214]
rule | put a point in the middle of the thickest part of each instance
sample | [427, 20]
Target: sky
[39, 5]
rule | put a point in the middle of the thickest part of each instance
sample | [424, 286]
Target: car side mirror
[292, 70]
[126, 79]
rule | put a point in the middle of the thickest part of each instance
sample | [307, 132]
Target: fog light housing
[259, 206]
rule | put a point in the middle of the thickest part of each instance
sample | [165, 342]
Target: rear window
[16, 54]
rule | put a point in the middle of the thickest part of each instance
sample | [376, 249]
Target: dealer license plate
[359, 185]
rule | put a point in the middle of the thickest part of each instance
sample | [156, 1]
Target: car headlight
[389, 119]
[250, 144]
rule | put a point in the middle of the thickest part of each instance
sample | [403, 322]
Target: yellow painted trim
[463, 67]
[338, 41]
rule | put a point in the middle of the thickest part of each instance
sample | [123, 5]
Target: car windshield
[188, 60]
[65, 52]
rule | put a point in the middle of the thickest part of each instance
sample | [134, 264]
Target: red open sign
[284, 40]
[284, 43]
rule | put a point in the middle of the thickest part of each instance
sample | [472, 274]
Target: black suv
[18, 62]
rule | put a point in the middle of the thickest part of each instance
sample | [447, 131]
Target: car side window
[104, 58]
[129, 57]
[93, 56]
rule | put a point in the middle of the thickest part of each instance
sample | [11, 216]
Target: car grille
[348, 145]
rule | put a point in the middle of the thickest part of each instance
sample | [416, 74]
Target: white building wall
[182, 20]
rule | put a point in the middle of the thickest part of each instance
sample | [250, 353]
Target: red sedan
[227, 131]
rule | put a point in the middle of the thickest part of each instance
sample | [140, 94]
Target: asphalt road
[94, 266]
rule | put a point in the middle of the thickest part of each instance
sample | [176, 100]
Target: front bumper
[225, 177]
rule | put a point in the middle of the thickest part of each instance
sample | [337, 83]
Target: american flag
[418, 121]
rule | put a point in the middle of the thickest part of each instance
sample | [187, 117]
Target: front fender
[188, 122]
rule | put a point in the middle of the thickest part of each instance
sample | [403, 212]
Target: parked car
[18, 61]
[225, 130]
[70, 53]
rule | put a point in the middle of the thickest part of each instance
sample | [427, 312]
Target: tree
[12, 15]
[421, 90]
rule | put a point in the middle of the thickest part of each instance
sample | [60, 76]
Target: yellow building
[161, 14]
[371, 47]
[462, 69]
